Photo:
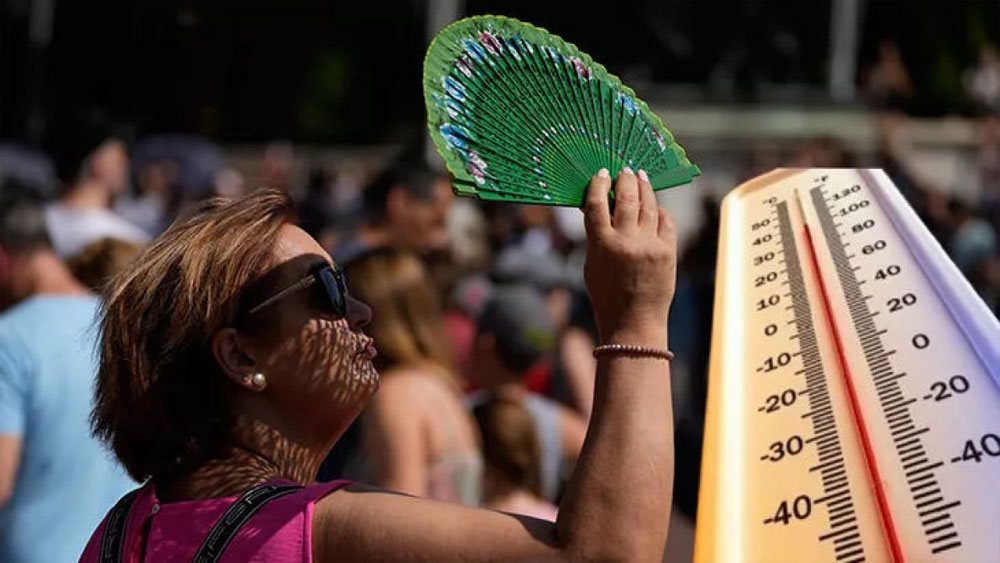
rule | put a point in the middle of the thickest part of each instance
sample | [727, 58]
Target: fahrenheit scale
[854, 393]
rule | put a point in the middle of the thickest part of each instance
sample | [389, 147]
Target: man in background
[515, 335]
[93, 166]
[405, 207]
[56, 481]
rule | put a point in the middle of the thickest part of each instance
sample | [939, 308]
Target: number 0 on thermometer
[854, 393]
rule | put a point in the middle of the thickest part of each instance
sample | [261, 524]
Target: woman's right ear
[234, 360]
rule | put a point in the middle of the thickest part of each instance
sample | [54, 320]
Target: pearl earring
[259, 381]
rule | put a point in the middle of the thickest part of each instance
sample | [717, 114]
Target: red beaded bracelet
[630, 350]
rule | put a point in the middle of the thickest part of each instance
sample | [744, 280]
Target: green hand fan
[520, 115]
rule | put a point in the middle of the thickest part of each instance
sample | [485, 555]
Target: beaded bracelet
[630, 350]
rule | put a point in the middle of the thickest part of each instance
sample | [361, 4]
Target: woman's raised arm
[617, 506]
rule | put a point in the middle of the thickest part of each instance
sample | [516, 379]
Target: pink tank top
[281, 531]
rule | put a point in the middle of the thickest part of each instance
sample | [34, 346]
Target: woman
[417, 433]
[513, 477]
[231, 357]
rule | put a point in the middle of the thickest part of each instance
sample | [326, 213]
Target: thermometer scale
[854, 394]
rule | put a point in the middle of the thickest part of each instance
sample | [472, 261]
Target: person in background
[92, 164]
[317, 211]
[516, 333]
[26, 169]
[569, 376]
[169, 173]
[56, 480]
[887, 83]
[416, 432]
[513, 478]
[545, 270]
[102, 259]
[982, 82]
[405, 207]
[276, 165]
[973, 241]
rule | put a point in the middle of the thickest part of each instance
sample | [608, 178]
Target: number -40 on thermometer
[854, 393]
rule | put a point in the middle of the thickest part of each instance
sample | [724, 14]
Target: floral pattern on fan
[520, 115]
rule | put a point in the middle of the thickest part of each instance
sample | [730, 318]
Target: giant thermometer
[854, 393]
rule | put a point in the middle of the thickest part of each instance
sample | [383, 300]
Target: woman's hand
[631, 263]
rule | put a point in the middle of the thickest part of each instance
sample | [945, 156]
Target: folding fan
[520, 115]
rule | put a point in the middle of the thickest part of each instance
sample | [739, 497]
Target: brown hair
[511, 449]
[100, 260]
[161, 400]
[406, 321]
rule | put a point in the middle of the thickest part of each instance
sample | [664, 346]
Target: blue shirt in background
[67, 480]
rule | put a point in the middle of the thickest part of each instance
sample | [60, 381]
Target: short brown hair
[407, 322]
[100, 260]
[161, 402]
[510, 443]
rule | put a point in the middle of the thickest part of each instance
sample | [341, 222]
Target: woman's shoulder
[181, 526]
[401, 384]
[416, 379]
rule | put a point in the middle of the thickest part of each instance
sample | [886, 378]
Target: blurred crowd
[483, 327]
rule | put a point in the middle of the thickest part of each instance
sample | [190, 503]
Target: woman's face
[316, 364]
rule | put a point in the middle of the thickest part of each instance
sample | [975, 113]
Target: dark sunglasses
[328, 279]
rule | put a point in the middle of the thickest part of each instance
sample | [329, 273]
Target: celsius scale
[854, 395]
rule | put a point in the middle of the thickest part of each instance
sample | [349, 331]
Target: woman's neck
[260, 454]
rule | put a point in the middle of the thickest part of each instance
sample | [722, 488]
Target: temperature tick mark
[886, 378]
[941, 508]
[913, 433]
[942, 527]
[924, 468]
[923, 477]
[947, 536]
[852, 553]
[938, 518]
[946, 547]
[837, 463]
[926, 494]
[929, 502]
[839, 532]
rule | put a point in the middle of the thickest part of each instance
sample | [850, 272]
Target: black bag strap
[236, 516]
[225, 529]
[113, 538]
